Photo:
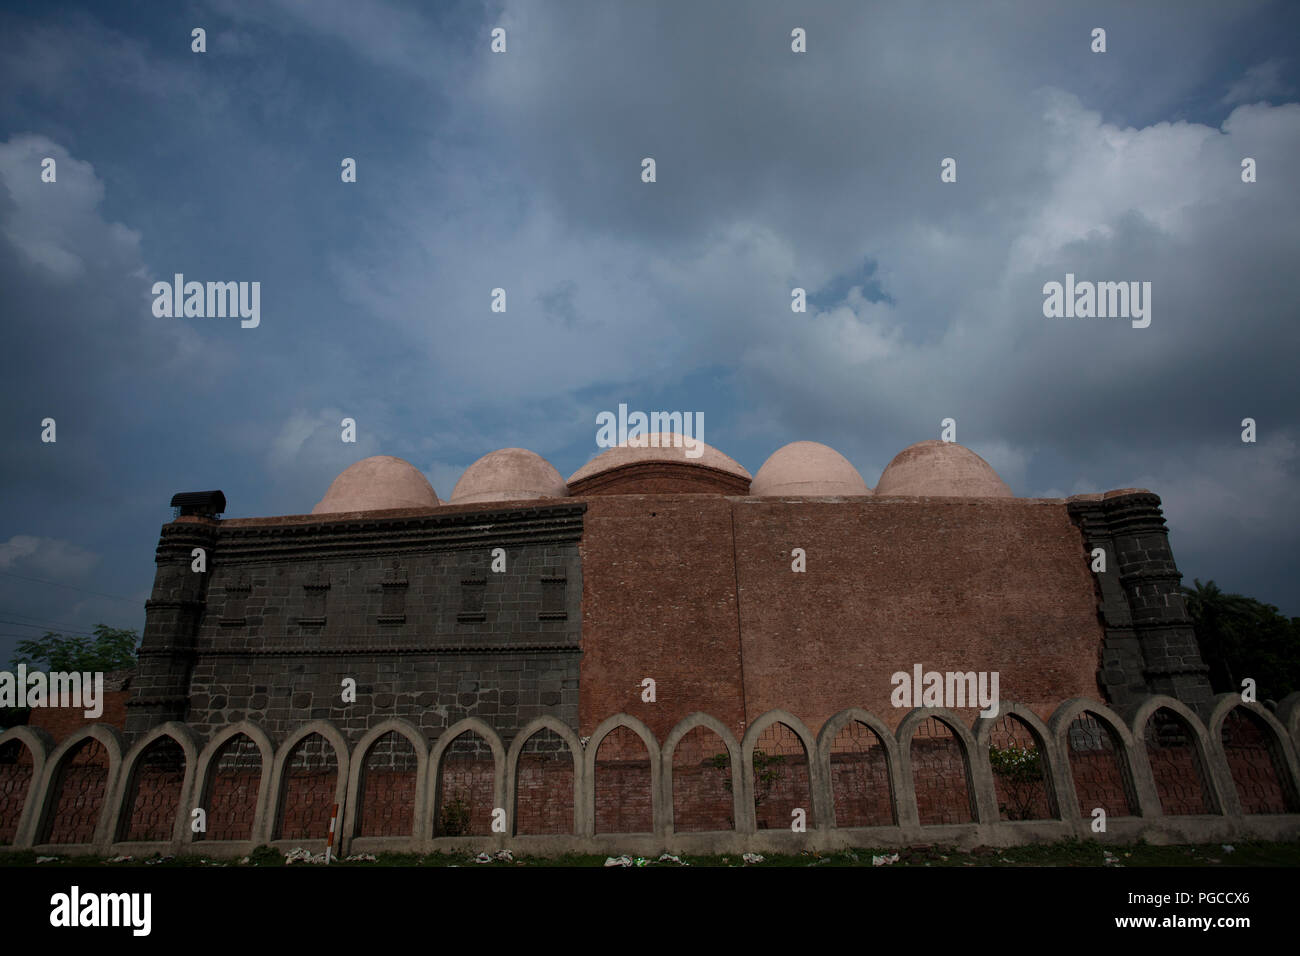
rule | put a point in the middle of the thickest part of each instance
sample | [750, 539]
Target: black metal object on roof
[208, 504]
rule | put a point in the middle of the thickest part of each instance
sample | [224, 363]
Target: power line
[59, 628]
[56, 584]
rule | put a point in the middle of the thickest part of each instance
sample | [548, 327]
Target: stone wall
[404, 606]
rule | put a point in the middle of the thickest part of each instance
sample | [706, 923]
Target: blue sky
[522, 170]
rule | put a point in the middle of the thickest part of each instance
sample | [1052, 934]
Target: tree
[111, 649]
[1241, 637]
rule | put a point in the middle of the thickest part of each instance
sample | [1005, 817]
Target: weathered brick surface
[860, 778]
[15, 780]
[1096, 762]
[1253, 762]
[79, 795]
[623, 789]
[671, 592]
[155, 794]
[309, 788]
[659, 601]
[59, 722]
[939, 773]
[1180, 779]
[702, 800]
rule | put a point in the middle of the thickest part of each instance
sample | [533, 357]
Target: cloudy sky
[522, 170]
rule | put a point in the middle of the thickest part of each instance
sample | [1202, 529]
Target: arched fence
[1158, 773]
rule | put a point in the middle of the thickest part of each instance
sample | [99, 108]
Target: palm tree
[1216, 615]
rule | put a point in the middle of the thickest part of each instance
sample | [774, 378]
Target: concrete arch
[826, 741]
[1058, 785]
[189, 744]
[582, 823]
[357, 768]
[39, 744]
[818, 778]
[111, 740]
[1139, 786]
[434, 790]
[334, 736]
[979, 776]
[203, 774]
[1284, 752]
[659, 820]
[1288, 712]
[684, 727]
[1215, 770]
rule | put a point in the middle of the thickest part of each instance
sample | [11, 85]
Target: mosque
[800, 587]
[715, 651]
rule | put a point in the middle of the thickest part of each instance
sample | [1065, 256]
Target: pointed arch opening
[77, 796]
[1180, 776]
[17, 768]
[307, 793]
[860, 787]
[940, 774]
[153, 797]
[386, 795]
[466, 781]
[702, 788]
[624, 796]
[781, 782]
[1255, 762]
[1018, 759]
[544, 777]
[1099, 768]
[234, 780]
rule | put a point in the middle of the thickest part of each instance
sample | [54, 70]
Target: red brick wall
[954, 585]
[59, 722]
[79, 795]
[235, 777]
[701, 798]
[15, 779]
[156, 792]
[860, 778]
[544, 798]
[951, 584]
[1255, 772]
[470, 780]
[309, 787]
[659, 601]
[623, 784]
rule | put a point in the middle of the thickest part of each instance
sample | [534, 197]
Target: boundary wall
[1149, 784]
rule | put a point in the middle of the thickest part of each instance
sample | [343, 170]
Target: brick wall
[79, 795]
[59, 722]
[155, 792]
[675, 586]
[15, 780]
[311, 775]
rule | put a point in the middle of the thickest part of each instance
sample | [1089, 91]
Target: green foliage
[111, 649]
[1021, 770]
[454, 820]
[767, 771]
[266, 856]
[1240, 637]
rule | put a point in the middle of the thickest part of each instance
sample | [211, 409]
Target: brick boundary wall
[1122, 756]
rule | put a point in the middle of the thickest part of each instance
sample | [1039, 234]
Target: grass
[1071, 853]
